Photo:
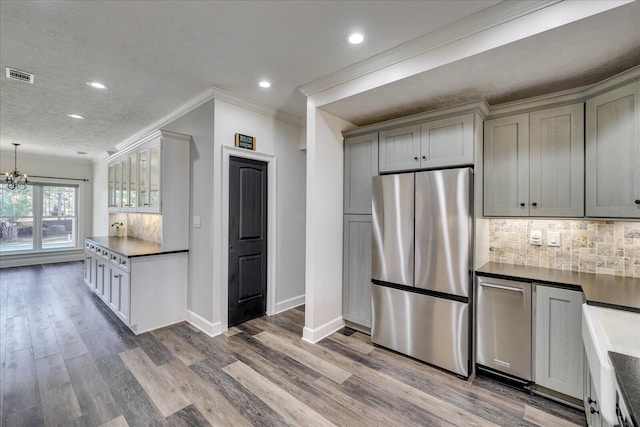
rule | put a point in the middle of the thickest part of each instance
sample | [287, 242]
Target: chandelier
[16, 179]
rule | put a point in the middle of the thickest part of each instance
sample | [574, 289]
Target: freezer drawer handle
[501, 363]
[506, 288]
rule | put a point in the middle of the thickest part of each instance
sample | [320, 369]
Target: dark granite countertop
[604, 290]
[627, 369]
[130, 246]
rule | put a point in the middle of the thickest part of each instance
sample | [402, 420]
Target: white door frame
[228, 151]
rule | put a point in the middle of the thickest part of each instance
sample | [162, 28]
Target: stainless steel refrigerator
[421, 265]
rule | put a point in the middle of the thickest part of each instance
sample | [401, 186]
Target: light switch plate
[535, 237]
[196, 222]
[553, 238]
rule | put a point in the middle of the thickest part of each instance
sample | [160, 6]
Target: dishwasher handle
[505, 288]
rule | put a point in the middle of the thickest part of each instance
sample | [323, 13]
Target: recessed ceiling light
[356, 38]
[265, 84]
[97, 85]
[75, 116]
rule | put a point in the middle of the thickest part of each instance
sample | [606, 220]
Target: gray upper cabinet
[360, 165]
[400, 149]
[506, 166]
[559, 352]
[447, 142]
[556, 162]
[356, 301]
[612, 167]
[433, 144]
[534, 163]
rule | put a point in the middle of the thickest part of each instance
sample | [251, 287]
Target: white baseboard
[19, 260]
[315, 335]
[289, 304]
[211, 329]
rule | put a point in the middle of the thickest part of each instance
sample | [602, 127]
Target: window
[42, 217]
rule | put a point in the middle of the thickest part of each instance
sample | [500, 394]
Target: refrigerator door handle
[505, 288]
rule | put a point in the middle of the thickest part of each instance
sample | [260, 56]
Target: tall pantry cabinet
[360, 165]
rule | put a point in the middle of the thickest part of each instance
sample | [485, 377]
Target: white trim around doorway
[228, 151]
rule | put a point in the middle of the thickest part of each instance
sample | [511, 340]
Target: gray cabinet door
[360, 165]
[356, 303]
[559, 352]
[612, 167]
[447, 142]
[400, 149]
[506, 166]
[556, 162]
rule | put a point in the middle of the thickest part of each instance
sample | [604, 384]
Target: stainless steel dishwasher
[503, 323]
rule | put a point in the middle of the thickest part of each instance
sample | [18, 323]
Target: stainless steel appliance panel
[392, 241]
[503, 319]
[443, 231]
[434, 330]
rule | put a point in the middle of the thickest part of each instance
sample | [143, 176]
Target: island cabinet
[146, 290]
[534, 163]
[437, 143]
[613, 153]
[559, 352]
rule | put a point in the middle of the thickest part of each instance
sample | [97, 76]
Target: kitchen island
[141, 282]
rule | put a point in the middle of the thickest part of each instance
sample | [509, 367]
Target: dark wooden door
[247, 239]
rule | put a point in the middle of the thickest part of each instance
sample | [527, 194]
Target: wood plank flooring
[66, 360]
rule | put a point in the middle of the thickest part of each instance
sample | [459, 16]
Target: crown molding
[481, 21]
[203, 97]
[480, 107]
[198, 100]
[570, 96]
[240, 101]
[491, 28]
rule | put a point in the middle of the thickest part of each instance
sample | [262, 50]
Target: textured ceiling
[567, 57]
[156, 55]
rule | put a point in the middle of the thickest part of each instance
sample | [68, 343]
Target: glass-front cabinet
[134, 179]
[112, 186]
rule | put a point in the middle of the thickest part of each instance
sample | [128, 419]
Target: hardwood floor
[67, 360]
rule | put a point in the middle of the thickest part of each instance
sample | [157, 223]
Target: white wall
[213, 125]
[325, 157]
[281, 140]
[62, 167]
[199, 124]
[100, 198]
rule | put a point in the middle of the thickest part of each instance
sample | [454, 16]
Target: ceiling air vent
[21, 76]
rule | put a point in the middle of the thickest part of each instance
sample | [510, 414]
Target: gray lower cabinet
[356, 302]
[612, 167]
[591, 401]
[559, 351]
[360, 165]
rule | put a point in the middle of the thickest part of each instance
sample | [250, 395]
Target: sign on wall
[245, 141]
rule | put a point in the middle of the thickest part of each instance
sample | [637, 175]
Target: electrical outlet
[535, 237]
[553, 238]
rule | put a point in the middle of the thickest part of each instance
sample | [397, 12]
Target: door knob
[638, 202]
[424, 157]
[590, 400]
[415, 158]
[522, 205]
[534, 204]
[593, 411]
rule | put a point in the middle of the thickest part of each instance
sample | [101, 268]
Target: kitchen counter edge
[604, 290]
[131, 247]
[627, 369]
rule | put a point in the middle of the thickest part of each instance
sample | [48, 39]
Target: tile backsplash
[141, 226]
[603, 247]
